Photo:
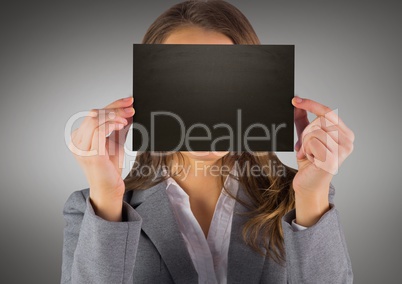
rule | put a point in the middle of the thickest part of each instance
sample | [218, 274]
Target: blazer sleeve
[319, 253]
[96, 250]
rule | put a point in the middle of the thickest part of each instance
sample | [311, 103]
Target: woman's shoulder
[137, 196]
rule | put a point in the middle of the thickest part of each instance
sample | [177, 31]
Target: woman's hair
[271, 192]
[215, 15]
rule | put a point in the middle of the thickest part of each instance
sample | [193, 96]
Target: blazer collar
[159, 223]
[244, 264]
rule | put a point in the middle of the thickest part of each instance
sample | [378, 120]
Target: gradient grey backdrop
[59, 58]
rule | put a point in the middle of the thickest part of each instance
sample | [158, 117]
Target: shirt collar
[229, 182]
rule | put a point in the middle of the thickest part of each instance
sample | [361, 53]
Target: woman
[172, 225]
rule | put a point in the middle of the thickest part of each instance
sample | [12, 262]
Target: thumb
[300, 153]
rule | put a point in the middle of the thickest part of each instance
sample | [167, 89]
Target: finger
[121, 103]
[311, 106]
[323, 159]
[104, 115]
[301, 122]
[81, 149]
[317, 124]
[122, 108]
[95, 118]
[120, 136]
[305, 149]
[338, 143]
[322, 156]
[130, 121]
[323, 137]
[322, 110]
[317, 149]
[125, 112]
[302, 154]
[87, 130]
[116, 151]
[334, 131]
[100, 135]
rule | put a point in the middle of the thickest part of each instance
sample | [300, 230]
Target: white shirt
[209, 255]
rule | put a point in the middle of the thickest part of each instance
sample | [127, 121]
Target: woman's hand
[322, 147]
[101, 157]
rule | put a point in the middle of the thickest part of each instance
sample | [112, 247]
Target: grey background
[60, 58]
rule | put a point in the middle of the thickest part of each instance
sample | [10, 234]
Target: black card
[207, 97]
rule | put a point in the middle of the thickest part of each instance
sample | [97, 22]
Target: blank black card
[203, 97]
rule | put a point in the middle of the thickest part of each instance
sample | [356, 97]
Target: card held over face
[213, 97]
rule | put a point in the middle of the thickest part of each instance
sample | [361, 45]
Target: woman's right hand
[101, 157]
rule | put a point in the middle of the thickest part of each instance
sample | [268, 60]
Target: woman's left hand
[322, 146]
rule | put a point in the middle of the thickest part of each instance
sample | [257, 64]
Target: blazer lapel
[159, 223]
[244, 264]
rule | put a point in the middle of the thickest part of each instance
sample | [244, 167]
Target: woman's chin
[204, 156]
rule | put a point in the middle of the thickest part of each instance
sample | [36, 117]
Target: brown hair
[272, 195]
[216, 15]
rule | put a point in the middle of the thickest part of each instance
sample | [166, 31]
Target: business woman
[199, 217]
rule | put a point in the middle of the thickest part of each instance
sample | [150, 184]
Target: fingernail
[298, 99]
[128, 98]
[93, 114]
[298, 154]
[128, 109]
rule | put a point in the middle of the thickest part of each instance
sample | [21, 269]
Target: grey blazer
[149, 248]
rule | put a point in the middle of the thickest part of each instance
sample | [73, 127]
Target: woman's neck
[197, 176]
